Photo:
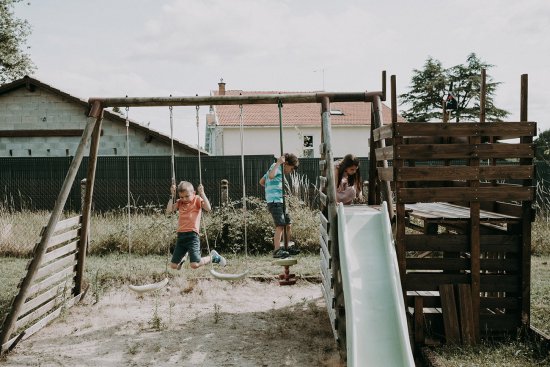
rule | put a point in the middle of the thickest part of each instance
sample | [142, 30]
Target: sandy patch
[190, 323]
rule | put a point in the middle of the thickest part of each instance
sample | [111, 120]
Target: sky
[157, 48]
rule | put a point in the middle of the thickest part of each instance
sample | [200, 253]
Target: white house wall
[265, 140]
[41, 109]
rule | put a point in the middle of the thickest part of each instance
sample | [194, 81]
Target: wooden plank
[63, 237]
[56, 265]
[511, 303]
[323, 198]
[432, 281]
[383, 132]
[62, 251]
[46, 283]
[42, 298]
[450, 316]
[515, 129]
[440, 242]
[500, 283]
[67, 223]
[448, 264]
[466, 312]
[40, 311]
[385, 173]
[40, 133]
[40, 324]
[508, 265]
[500, 322]
[324, 221]
[384, 153]
[448, 173]
[419, 320]
[421, 152]
[325, 250]
[406, 195]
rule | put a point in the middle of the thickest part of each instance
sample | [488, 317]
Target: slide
[376, 324]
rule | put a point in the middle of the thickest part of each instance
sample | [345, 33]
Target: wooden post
[87, 210]
[41, 248]
[526, 220]
[224, 185]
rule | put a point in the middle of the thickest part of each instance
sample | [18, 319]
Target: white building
[350, 122]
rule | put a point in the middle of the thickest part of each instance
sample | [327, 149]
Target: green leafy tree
[542, 146]
[14, 61]
[430, 86]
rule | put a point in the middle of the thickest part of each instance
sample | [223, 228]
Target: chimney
[221, 87]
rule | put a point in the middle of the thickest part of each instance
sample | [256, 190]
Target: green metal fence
[34, 183]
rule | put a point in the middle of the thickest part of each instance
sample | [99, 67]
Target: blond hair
[185, 186]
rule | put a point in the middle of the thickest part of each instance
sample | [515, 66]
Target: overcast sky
[143, 48]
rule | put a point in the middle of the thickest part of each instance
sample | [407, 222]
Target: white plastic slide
[376, 324]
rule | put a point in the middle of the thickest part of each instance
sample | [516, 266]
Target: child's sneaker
[293, 250]
[280, 253]
[181, 262]
[217, 258]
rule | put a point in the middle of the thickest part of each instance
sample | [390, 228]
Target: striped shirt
[274, 187]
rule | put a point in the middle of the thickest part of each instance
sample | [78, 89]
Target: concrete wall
[41, 109]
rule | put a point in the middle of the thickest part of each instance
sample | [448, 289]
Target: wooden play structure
[459, 199]
[462, 212]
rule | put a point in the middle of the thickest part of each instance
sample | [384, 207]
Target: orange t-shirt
[189, 214]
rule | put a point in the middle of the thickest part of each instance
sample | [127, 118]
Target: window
[308, 146]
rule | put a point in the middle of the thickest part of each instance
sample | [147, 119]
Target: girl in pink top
[347, 180]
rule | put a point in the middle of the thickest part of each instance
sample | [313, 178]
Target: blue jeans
[187, 242]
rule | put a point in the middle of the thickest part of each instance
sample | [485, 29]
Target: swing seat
[285, 262]
[140, 289]
[224, 276]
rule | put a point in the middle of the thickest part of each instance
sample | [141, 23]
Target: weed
[217, 315]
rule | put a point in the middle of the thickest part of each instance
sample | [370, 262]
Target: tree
[542, 146]
[14, 62]
[430, 86]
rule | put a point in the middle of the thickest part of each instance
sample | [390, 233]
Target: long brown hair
[350, 160]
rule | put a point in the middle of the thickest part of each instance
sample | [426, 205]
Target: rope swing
[216, 274]
[140, 289]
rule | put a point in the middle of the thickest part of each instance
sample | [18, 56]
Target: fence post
[82, 193]
[224, 192]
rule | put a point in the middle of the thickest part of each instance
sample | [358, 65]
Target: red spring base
[287, 278]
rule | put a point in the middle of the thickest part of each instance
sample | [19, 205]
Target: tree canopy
[431, 86]
[14, 61]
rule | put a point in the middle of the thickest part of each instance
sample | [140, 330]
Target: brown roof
[304, 114]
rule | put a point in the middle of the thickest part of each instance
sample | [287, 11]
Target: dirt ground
[205, 322]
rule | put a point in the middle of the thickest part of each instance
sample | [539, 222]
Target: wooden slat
[46, 296]
[385, 173]
[406, 196]
[67, 223]
[500, 283]
[450, 316]
[500, 302]
[437, 264]
[63, 237]
[39, 312]
[48, 282]
[513, 129]
[324, 249]
[431, 281]
[70, 247]
[327, 275]
[418, 320]
[56, 265]
[324, 221]
[500, 264]
[502, 322]
[466, 312]
[323, 198]
[462, 151]
[448, 173]
[40, 324]
[383, 132]
[385, 153]
[441, 242]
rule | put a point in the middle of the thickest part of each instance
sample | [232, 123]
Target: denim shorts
[276, 210]
[187, 242]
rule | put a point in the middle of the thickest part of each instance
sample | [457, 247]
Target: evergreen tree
[431, 85]
[14, 61]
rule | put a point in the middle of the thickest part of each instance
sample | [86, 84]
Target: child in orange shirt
[189, 207]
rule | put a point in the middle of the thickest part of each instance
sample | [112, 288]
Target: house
[301, 127]
[37, 120]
